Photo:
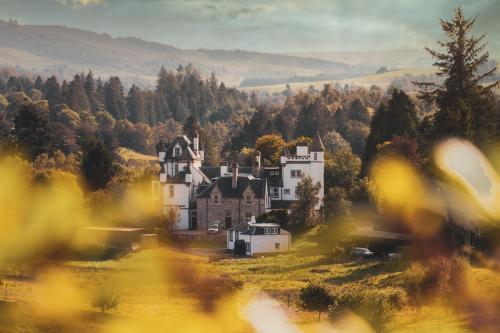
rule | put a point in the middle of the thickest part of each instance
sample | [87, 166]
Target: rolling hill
[63, 51]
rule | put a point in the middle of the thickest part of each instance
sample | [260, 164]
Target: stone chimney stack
[256, 165]
[196, 142]
[234, 183]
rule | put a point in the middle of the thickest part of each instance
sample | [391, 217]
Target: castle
[226, 196]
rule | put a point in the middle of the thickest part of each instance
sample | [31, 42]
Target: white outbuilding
[259, 238]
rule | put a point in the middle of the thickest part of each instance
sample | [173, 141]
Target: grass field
[128, 154]
[383, 80]
[166, 290]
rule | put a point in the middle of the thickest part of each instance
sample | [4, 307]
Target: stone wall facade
[229, 211]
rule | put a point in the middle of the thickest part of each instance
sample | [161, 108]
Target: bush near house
[376, 306]
[315, 297]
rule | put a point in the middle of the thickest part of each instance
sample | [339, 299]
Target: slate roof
[224, 184]
[211, 171]
[317, 144]
[186, 147]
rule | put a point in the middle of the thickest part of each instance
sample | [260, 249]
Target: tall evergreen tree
[135, 105]
[97, 164]
[90, 86]
[397, 118]
[466, 107]
[113, 98]
[53, 91]
[77, 97]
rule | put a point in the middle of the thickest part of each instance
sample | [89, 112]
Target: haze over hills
[371, 61]
[63, 51]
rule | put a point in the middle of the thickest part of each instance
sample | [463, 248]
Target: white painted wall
[180, 200]
[266, 243]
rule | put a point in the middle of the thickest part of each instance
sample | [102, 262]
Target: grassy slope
[128, 154]
[148, 293]
[383, 80]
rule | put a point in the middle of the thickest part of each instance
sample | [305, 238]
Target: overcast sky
[272, 26]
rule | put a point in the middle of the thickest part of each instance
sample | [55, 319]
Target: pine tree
[466, 107]
[135, 105]
[97, 164]
[113, 98]
[91, 91]
[53, 91]
[77, 97]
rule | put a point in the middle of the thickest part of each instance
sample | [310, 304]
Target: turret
[317, 148]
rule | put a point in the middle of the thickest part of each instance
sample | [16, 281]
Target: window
[231, 235]
[287, 191]
[297, 192]
[295, 173]
[270, 231]
[248, 248]
[271, 173]
[276, 192]
[248, 199]
[276, 246]
[171, 191]
[177, 151]
[315, 156]
[216, 198]
[176, 168]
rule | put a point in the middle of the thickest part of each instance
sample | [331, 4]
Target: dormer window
[216, 198]
[177, 151]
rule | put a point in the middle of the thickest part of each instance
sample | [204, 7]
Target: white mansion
[208, 195]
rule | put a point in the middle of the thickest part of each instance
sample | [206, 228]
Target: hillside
[64, 51]
[373, 60]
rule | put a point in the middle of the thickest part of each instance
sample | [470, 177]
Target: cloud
[80, 3]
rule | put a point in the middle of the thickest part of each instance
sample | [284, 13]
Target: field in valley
[383, 80]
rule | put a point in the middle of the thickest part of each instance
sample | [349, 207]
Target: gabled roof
[185, 144]
[224, 184]
[317, 144]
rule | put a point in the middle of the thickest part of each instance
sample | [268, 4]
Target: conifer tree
[113, 98]
[77, 97]
[466, 107]
[53, 91]
[135, 105]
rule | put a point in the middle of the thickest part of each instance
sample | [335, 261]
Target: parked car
[361, 252]
[213, 229]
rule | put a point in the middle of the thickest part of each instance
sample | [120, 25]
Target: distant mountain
[373, 60]
[63, 51]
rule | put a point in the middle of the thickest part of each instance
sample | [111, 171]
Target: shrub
[315, 298]
[105, 301]
[376, 306]
[439, 276]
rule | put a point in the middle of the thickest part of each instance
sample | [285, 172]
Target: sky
[267, 26]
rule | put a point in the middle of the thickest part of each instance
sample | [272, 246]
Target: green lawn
[162, 289]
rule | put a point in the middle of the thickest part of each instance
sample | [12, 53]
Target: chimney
[223, 168]
[196, 142]
[234, 183]
[256, 165]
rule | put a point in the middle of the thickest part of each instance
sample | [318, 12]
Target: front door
[228, 221]
[194, 221]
